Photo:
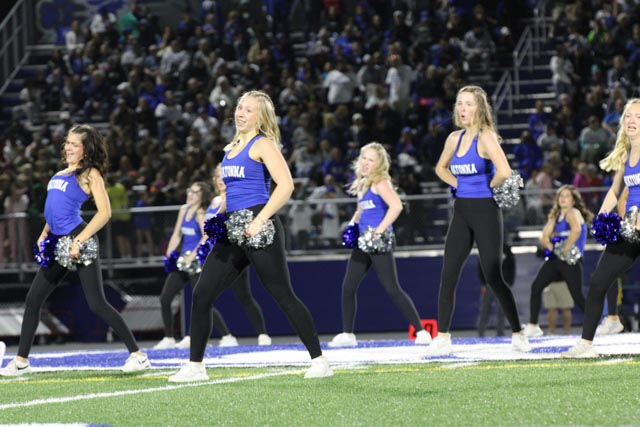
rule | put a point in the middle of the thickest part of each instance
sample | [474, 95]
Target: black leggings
[46, 281]
[173, 284]
[616, 259]
[478, 220]
[225, 263]
[358, 266]
[552, 271]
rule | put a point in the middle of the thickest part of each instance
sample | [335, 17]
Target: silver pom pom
[62, 252]
[88, 252]
[190, 269]
[264, 237]
[236, 224]
[373, 243]
[628, 226]
[507, 195]
[238, 221]
[571, 257]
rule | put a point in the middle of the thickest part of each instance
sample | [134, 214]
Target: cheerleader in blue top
[473, 163]
[241, 287]
[618, 257]
[189, 231]
[251, 161]
[567, 223]
[378, 207]
[85, 153]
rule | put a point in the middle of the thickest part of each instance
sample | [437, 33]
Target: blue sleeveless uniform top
[563, 229]
[211, 212]
[191, 233]
[474, 173]
[373, 208]
[247, 181]
[632, 180]
[62, 207]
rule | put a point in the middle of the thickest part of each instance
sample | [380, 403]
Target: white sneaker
[165, 343]
[136, 362]
[440, 346]
[531, 330]
[15, 369]
[344, 339]
[190, 371]
[519, 342]
[609, 327]
[184, 342]
[581, 350]
[228, 341]
[423, 338]
[319, 368]
[3, 348]
[264, 339]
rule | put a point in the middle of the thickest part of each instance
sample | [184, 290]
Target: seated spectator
[539, 120]
[527, 155]
[478, 49]
[594, 141]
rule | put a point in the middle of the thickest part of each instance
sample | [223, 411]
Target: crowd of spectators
[385, 71]
[595, 69]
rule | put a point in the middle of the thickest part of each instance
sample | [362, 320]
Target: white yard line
[91, 396]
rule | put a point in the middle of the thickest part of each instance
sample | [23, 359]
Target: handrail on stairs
[502, 93]
[16, 32]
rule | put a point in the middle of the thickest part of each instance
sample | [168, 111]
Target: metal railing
[312, 227]
[15, 34]
[503, 93]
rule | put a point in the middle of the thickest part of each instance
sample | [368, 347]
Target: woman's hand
[188, 260]
[74, 252]
[254, 228]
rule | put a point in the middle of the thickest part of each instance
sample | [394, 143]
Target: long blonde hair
[578, 203]
[267, 123]
[618, 156]
[483, 117]
[379, 173]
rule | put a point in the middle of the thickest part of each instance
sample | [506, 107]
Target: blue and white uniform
[563, 229]
[373, 209]
[247, 180]
[62, 207]
[473, 172]
[191, 232]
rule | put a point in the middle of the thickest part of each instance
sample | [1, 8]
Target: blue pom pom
[45, 254]
[350, 236]
[216, 228]
[204, 249]
[606, 228]
[170, 262]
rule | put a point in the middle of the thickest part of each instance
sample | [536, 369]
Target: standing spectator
[563, 72]
[339, 83]
[399, 78]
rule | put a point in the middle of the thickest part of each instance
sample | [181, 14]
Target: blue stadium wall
[318, 284]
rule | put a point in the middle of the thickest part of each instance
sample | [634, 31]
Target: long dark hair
[578, 203]
[96, 154]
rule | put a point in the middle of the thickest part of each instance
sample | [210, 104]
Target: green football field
[549, 392]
